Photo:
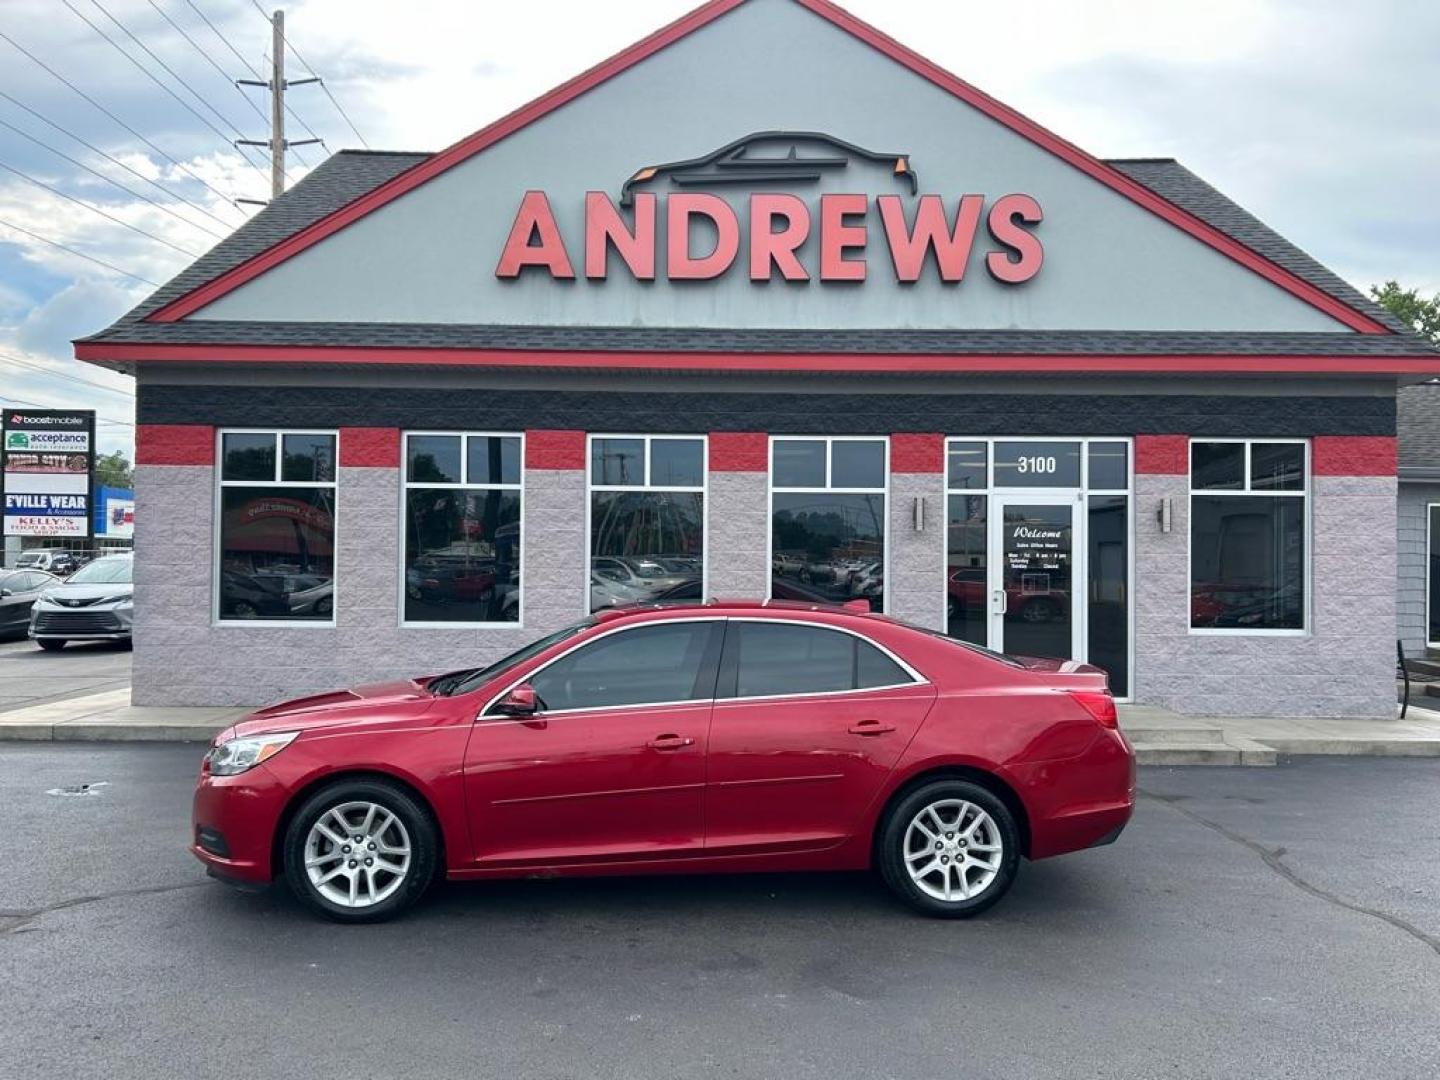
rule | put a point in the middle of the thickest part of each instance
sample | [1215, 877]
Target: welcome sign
[49, 457]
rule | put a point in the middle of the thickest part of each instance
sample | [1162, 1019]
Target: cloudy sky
[1317, 115]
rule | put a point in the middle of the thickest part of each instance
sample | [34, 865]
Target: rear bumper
[1080, 802]
[233, 824]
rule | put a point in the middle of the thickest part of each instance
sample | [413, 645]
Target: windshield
[114, 571]
[462, 682]
[29, 559]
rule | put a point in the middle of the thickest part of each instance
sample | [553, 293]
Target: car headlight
[125, 602]
[245, 752]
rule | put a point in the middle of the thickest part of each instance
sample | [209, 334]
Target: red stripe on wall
[917, 453]
[1353, 455]
[547, 449]
[373, 447]
[174, 444]
[1167, 455]
[739, 451]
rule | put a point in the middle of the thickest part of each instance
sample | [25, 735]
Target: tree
[1411, 308]
[113, 470]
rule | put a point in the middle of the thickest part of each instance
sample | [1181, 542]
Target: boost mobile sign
[49, 458]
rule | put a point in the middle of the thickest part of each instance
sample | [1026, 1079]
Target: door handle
[1002, 602]
[870, 727]
[669, 742]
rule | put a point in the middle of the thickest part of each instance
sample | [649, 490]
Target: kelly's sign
[778, 225]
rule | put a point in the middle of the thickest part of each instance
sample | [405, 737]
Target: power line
[216, 65]
[109, 180]
[228, 199]
[97, 210]
[115, 161]
[63, 375]
[155, 78]
[79, 254]
[338, 107]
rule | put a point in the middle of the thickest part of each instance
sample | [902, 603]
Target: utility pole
[277, 144]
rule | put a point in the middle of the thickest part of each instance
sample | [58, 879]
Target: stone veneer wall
[1343, 666]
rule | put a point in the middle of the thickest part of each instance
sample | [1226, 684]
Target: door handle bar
[669, 742]
[871, 727]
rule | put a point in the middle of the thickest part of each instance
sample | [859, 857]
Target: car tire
[243, 609]
[50, 644]
[914, 827]
[305, 840]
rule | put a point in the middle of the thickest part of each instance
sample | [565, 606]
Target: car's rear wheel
[50, 644]
[949, 848]
[360, 850]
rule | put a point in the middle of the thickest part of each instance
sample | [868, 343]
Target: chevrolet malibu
[703, 738]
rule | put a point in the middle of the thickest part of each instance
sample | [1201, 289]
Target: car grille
[77, 622]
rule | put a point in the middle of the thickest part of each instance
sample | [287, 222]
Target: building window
[276, 541]
[462, 513]
[647, 519]
[1248, 511]
[1432, 576]
[827, 519]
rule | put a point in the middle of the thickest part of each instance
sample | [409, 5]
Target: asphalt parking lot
[31, 676]
[1252, 922]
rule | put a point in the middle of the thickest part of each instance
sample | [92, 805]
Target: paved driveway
[31, 676]
[1251, 923]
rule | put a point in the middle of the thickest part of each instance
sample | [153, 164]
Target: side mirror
[520, 701]
[6, 592]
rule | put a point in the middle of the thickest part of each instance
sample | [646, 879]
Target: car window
[111, 571]
[28, 582]
[643, 665]
[786, 658]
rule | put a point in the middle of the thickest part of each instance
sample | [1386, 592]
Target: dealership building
[766, 305]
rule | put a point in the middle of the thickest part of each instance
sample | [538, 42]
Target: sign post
[48, 468]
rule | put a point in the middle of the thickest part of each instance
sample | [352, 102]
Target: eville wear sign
[779, 224]
[48, 460]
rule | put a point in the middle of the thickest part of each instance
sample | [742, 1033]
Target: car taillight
[1100, 705]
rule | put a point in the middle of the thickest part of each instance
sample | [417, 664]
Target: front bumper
[63, 624]
[233, 822]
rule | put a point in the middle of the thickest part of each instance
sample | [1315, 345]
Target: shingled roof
[1418, 428]
[349, 174]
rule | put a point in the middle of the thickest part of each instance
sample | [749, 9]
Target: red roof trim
[127, 352]
[412, 178]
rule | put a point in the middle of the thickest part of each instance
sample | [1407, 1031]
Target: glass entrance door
[1033, 605]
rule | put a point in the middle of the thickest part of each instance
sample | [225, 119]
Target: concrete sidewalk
[1160, 737]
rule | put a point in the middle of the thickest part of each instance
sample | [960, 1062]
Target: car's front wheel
[360, 850]
[949, 848]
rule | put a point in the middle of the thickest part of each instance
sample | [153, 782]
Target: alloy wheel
[357, 854]
[953, 850]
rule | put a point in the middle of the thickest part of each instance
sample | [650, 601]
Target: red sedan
[727, 736]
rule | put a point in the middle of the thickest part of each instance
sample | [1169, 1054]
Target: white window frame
[772, 489]
[1430, 508]
[464, 484]
[217, 618]
[1307, 572]
[1080, 558]
[703, 490]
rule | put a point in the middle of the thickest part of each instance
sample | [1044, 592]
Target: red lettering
[1023, 260]
[604, 226]
[534, 219]
[952, 246]
[836, 237]
[679, 263]
[769, 248]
